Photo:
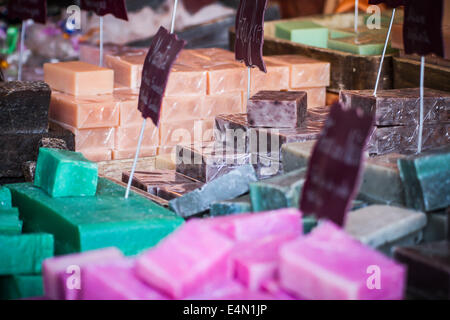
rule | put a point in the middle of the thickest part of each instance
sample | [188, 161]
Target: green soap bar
[10, 212]
[24, 253]
[239, 205]
[64, 173]
[309, 223]
[426, 179]
[337, 34]
[305, 32]
[366, 44]
[20, 287]
[279, 192]
[10, 224]
[88, 223]
[5, 198]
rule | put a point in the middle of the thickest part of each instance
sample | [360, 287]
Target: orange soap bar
[227, 103]
[84, 112]
[127, 67]
[127, 137]
[186, 81]
[185, 132]
[182, 108]
[127, 100]
[79, 78]
[130, 153]
[316, 96]
[276, 78]
[96, 154]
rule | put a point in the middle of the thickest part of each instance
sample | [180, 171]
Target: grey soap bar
[235, 206]
[266, 167]
[229, 186]
[296, 155]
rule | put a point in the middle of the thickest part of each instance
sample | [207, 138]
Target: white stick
[22, 45]
[249, 82]
[356, 15]
[101, 42]
[174, 13]
[422, 74]
[384, 53]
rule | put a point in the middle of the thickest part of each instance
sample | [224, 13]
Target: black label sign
[28, 9]
[193, 6]
[163, 52]
[250, 33]
[390, 3]
[117, 8]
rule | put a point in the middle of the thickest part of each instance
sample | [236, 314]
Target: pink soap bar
[186, 81]
[330, 264]
[115, 280]
[130, 153]
[127, 66]
[185, 132]
[97, 154]
[186, 260]
[217, 291]
[127, 137]
[272, 286]
[127, 100]
[84, 112]
[182, 108]
[227, 103]
[54, 268]
[276, 78]
[91, 54]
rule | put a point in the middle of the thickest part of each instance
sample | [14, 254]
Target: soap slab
[5, 198]
[169, 192]
[63, 173]
[24, 253]
[20, 287]
[239, 205]
[186, 80]
[185, 132]
[225, 187]
[24, 107]
[276, 78]
[183, 108]
[428, 269]
[88, 223]
[296, 155]
[400, 106]
[226, 103]
[127, 66]
[126, 137]
[127, 100]
[279, 192]
[9, 222]
[79, 78]
[304, 32]
[426, 179]
[186, 260]
[364, 43]
[330, 264]
[277, 109]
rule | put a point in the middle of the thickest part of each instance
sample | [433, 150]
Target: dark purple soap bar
[281, 109]
[400, 106]
[170, 192]
[428, 269]
[24, 107]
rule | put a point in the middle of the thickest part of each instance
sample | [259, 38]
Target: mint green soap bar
[304, 32]
[365, 44]
[5, 198]
[337, 34]
[279, 192]
[88, 223]
[63, 173]
[20, 287]
[426, 179]
[24, 253]
[10, 224]
[239, 205]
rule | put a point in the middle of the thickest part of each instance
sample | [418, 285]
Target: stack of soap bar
[16, 287]
[87, 223]
[304, 32]
[383, 227]
[239, 205]
[365, 43]
[127, 66]
[226, 187]
[5, 198]
[63, 173]
[426, 179]
[277, 109]
[9, 221]
[330, 264]
[276, 78]
[428, 269]
[279, 192]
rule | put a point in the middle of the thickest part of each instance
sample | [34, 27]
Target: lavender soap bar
[277, 109]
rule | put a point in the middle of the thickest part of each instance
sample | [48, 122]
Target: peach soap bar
[127, 67]
[79, 78]
[127, 100]
[276, 78]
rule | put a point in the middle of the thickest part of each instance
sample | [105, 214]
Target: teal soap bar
[10, 223]
[426, 179]
[63, 173]
[88, 223]
[309, 223]
[21, 286]
[279, 192]
[5, 198]
[14, 212]
[239, 205]
[24, 253]
[304, 32]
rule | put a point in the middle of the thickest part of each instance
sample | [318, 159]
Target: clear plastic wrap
[126, 138]
[182, 108]
[97, 155]
[128, 106]
[185, 132]
[276, 78]
[266, 167]
[127, 64]
[227, 103]
[130, 153]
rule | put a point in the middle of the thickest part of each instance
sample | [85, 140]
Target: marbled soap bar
[330, 264]
[428, 269]
[24, 253]
[279, 192]
[88, 223]
[228, 186]
[24, 107]
[304, 32]
[5, 198]
[282, 109]
[233, 130]
[383, 227]
[20, 287]
[400, 106]
[127, 67]
[426, 179]
[79, 78]
[239, 205]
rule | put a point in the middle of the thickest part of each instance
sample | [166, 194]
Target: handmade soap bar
[383, 227]
[279, 192]
[296, 155]
[184, 132]
[182, 108]
[428, 269]
[186, 81]
[24, 106]
[98, 111]
[305, 32]
[24, 253]
[277, 109]
[91, 53]
[9, 222]
[276, 78]
[88, 223]
[20, 286]
[227, 103]
[226, 187]
[365, 43]
[127, 100]
[400, 106]
[126, 137]
[63, 173]
[233, 130]
[329, 264]
[185, 261]
[79, 78]
[267, 166]
[54, 270]
[217, 291]
[239, 205]
[165, 161]
[316, 96]
[101, 154]
[426, 179]
[127, 67]
[5, 198]
[169, 192]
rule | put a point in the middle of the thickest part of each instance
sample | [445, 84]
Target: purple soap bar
[330, 264]
[150, 181]
[57, 271]
[170, 192]
[188, 259]
[281, 109]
